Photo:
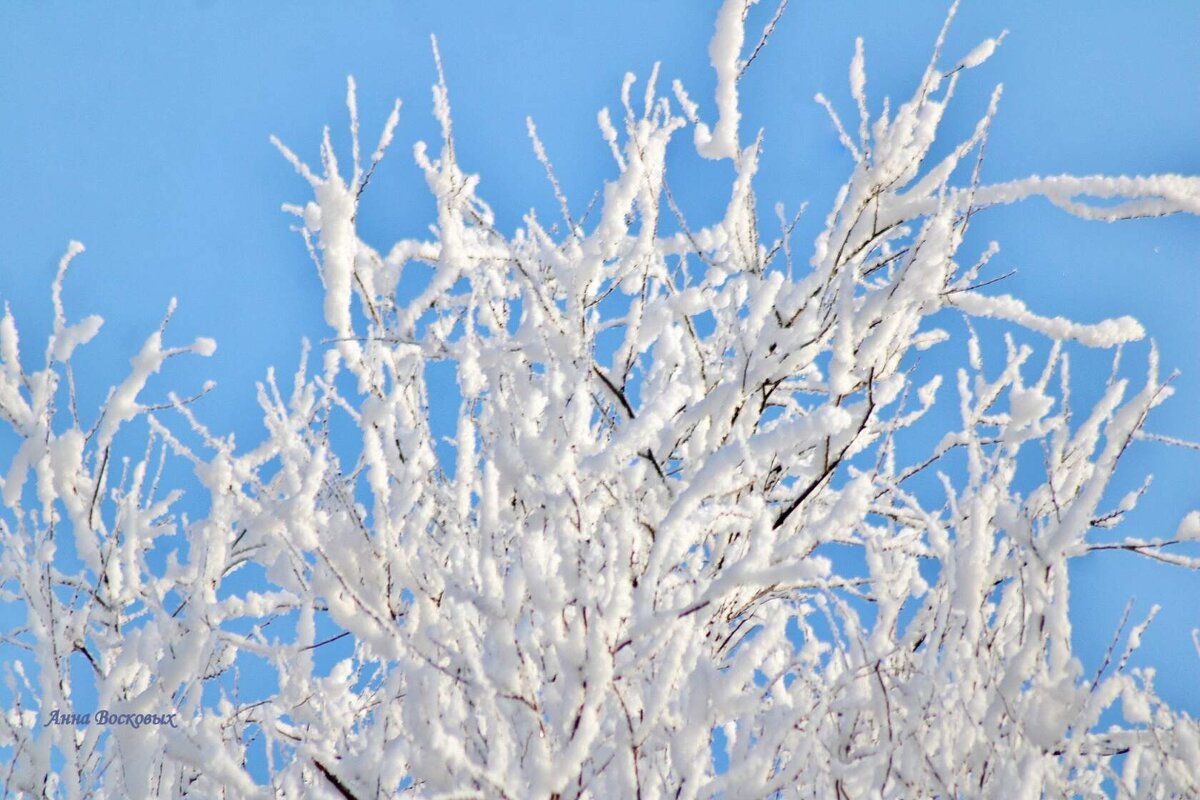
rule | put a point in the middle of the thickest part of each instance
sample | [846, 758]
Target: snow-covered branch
[667, 441]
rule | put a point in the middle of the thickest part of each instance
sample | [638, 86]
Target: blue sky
[141, 129]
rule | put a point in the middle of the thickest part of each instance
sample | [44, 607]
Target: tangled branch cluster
[678, 517]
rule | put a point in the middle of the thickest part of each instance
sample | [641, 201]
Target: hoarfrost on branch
[664, 440]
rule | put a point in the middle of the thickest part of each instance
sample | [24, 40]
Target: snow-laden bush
[679, 518]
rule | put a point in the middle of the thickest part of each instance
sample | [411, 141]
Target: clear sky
[141, 129]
